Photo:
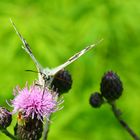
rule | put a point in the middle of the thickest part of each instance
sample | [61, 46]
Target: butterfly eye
[48, 78]
[44, 76]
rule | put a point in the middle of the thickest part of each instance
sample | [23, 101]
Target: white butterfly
[45, 74]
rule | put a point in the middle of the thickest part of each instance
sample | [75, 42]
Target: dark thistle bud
[5, 118]
[28, 129]
[111, 86]
[62, 82]
[96, 100]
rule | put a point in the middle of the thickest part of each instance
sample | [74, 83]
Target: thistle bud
[62, 82]
[111, 86]
[30, 130]
[5, 117]
[96, 100]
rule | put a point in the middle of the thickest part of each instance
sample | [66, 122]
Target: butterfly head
[45, 78]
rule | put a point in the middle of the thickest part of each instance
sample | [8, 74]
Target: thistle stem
[7, 133]
[46, 129]
[117, 114]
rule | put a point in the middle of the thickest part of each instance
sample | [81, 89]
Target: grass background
[55, 31]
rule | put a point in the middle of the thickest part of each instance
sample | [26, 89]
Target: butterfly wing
[26, 47]
[42, 73]
[73, 58]
[47, 71]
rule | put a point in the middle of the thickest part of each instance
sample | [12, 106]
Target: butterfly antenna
[32, 71]
[26, 47]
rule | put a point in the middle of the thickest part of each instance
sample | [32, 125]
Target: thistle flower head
[62, 82]
[96, 100]
[35, 101]
[111, 86]
[5, 117]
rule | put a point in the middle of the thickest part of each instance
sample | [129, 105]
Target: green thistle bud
[96, 100]
[111, 86]
[5, 118]
[62, 82]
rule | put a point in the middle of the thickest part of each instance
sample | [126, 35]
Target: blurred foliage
[55, 31]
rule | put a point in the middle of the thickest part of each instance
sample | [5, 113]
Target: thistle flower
[35, 101]
[5, 117]
[96, 100]
[62, 82]
[111, 86]
[31, 130]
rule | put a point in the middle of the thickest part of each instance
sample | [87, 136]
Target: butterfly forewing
[27, 48]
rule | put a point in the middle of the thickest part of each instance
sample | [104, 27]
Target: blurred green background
[55, 30]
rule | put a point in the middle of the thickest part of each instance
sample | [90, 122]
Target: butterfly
[46, 75]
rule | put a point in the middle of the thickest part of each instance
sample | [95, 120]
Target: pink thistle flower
[35, 101]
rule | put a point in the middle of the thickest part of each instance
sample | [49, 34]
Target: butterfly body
[44, 77]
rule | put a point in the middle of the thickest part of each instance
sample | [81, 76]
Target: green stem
[7, 133]
[117, 114]
[46, 129]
